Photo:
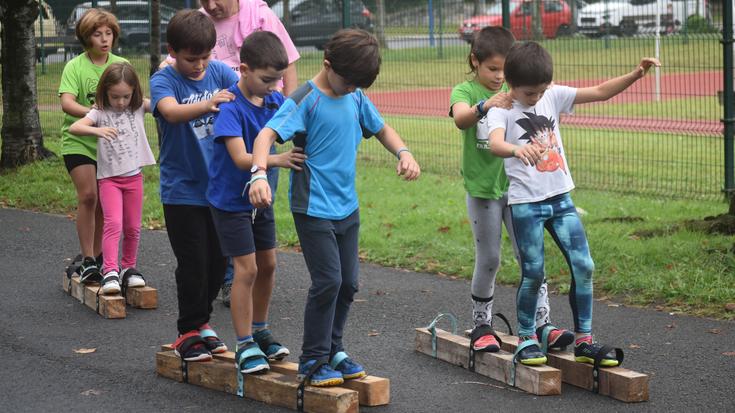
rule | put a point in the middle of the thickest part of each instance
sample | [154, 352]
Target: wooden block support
[270, 388]
[539, 380]
[371, 390]
[617, 382]
[143, 297]
[110, 306]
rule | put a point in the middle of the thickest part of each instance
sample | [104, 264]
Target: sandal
[272, 349]
[529, 353]
[554, 338]
[213, 343]
[250, 359]
[484, 338]
[191, 347]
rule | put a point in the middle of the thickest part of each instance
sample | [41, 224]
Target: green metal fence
[663, 136]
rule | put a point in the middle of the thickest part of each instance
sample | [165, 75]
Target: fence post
[431, 23]
[43, 40]
[728, 101]
[346, 14]
[506, 14]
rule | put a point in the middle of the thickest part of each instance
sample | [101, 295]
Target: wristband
[257, 177]
[480, 111]
[513, 152]
[398, 153]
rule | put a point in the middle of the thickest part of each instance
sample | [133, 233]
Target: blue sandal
[250, 359]
[214, 344]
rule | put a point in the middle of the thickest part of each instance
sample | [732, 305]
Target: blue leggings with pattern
[559, 216]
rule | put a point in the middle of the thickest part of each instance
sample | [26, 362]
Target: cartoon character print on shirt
[202, 126]
[482, 140]
[92, 89]
[540, 130]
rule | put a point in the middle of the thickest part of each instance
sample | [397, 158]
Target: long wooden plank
[110, 306]
[371, 390]
[539, 380]
[270, 388]
[143, 297]
[617, 382]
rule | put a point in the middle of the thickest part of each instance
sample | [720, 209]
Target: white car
[629, 17]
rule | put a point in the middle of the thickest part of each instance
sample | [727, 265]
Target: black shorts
[74, 160]
[239, 235]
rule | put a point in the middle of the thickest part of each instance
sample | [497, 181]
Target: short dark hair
[528, 64]
[354, 54]
[191, 30]
[92, 20]
[114, 74]
[489, 42]
[261, 50]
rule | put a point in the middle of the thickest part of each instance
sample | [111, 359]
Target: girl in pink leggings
[121, 153]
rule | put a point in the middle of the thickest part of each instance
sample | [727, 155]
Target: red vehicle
[556, 18]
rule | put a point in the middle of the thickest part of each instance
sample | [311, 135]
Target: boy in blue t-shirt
[184, 98]
[247, 235]
[328, 117]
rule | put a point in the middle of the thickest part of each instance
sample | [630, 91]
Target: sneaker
[133, 277]
[483, 338]
[530, 355]
[324, 376]
[349, 369]
[213, 343]
[226, 291]
[272, 349]
[111, 283]
[191, 347]
[89, 272]
[250, 360]
[557, 338]
[585, 351]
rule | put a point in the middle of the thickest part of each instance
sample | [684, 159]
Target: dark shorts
[74, 160]
[238, 235]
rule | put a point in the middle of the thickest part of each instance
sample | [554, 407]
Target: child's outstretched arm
[174, 112]
[529, 154]
[147, 105]
[612, 87]
[292, 159]
[466, 116]
[86, 127]
[260, 192]
[407, 166]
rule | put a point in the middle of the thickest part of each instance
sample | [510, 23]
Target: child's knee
[87, 199]
[583, 267]
[325, 290]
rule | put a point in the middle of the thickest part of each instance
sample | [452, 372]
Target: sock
[243, 341]
[482, 310]
[580, 338]
[521, 339]
[543, 309]
[259, 326]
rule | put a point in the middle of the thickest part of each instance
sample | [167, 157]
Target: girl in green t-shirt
[98, 32]
[487, 186]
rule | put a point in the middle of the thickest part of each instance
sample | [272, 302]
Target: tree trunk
[380, 27]
[155, 40]
[21, 129]
[538, 33]
[478, 7]
[113, 7]
[287, 13]
[731, 211]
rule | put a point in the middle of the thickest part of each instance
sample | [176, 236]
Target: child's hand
[408, 167]
[647, 63]
[260, 193]
[292, 159]
[530, 154]
[500, 100]
[107, 133]
[220, 97]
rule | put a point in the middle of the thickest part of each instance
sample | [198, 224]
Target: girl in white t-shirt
[122, 151]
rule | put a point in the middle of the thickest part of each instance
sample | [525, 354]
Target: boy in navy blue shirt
[245, 234]
[184, 98]
[328, 117]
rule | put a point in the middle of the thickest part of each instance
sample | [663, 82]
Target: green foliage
[699, 24]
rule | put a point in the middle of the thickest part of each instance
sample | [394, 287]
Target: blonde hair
[92, 20]
[114, 74]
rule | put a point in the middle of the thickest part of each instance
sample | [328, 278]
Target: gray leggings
[486, 218]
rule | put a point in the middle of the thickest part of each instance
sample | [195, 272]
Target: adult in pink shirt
[234, 20]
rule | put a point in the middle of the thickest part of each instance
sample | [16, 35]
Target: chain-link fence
[663, 136]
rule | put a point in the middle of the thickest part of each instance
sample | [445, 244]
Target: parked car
[556, 19]
[132, 15]
[313, 22]
[630, 17]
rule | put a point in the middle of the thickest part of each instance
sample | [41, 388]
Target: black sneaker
[586, 351]
[89, 272]
[530, 354]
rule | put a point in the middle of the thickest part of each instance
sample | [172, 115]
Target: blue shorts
[239, 235]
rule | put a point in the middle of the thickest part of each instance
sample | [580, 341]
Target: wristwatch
[256, 168]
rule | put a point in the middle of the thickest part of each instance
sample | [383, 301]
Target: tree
[155, 38]
[22, 139]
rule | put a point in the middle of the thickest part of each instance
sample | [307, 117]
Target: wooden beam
[617, 382]
[540, 380]
[143, 297]
[372, 391]
[270, 388]
[110, 306]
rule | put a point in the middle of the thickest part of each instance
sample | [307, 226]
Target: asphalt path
[690, 360]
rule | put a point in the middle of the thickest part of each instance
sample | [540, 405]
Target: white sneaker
[111, 283]
[135, 278]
